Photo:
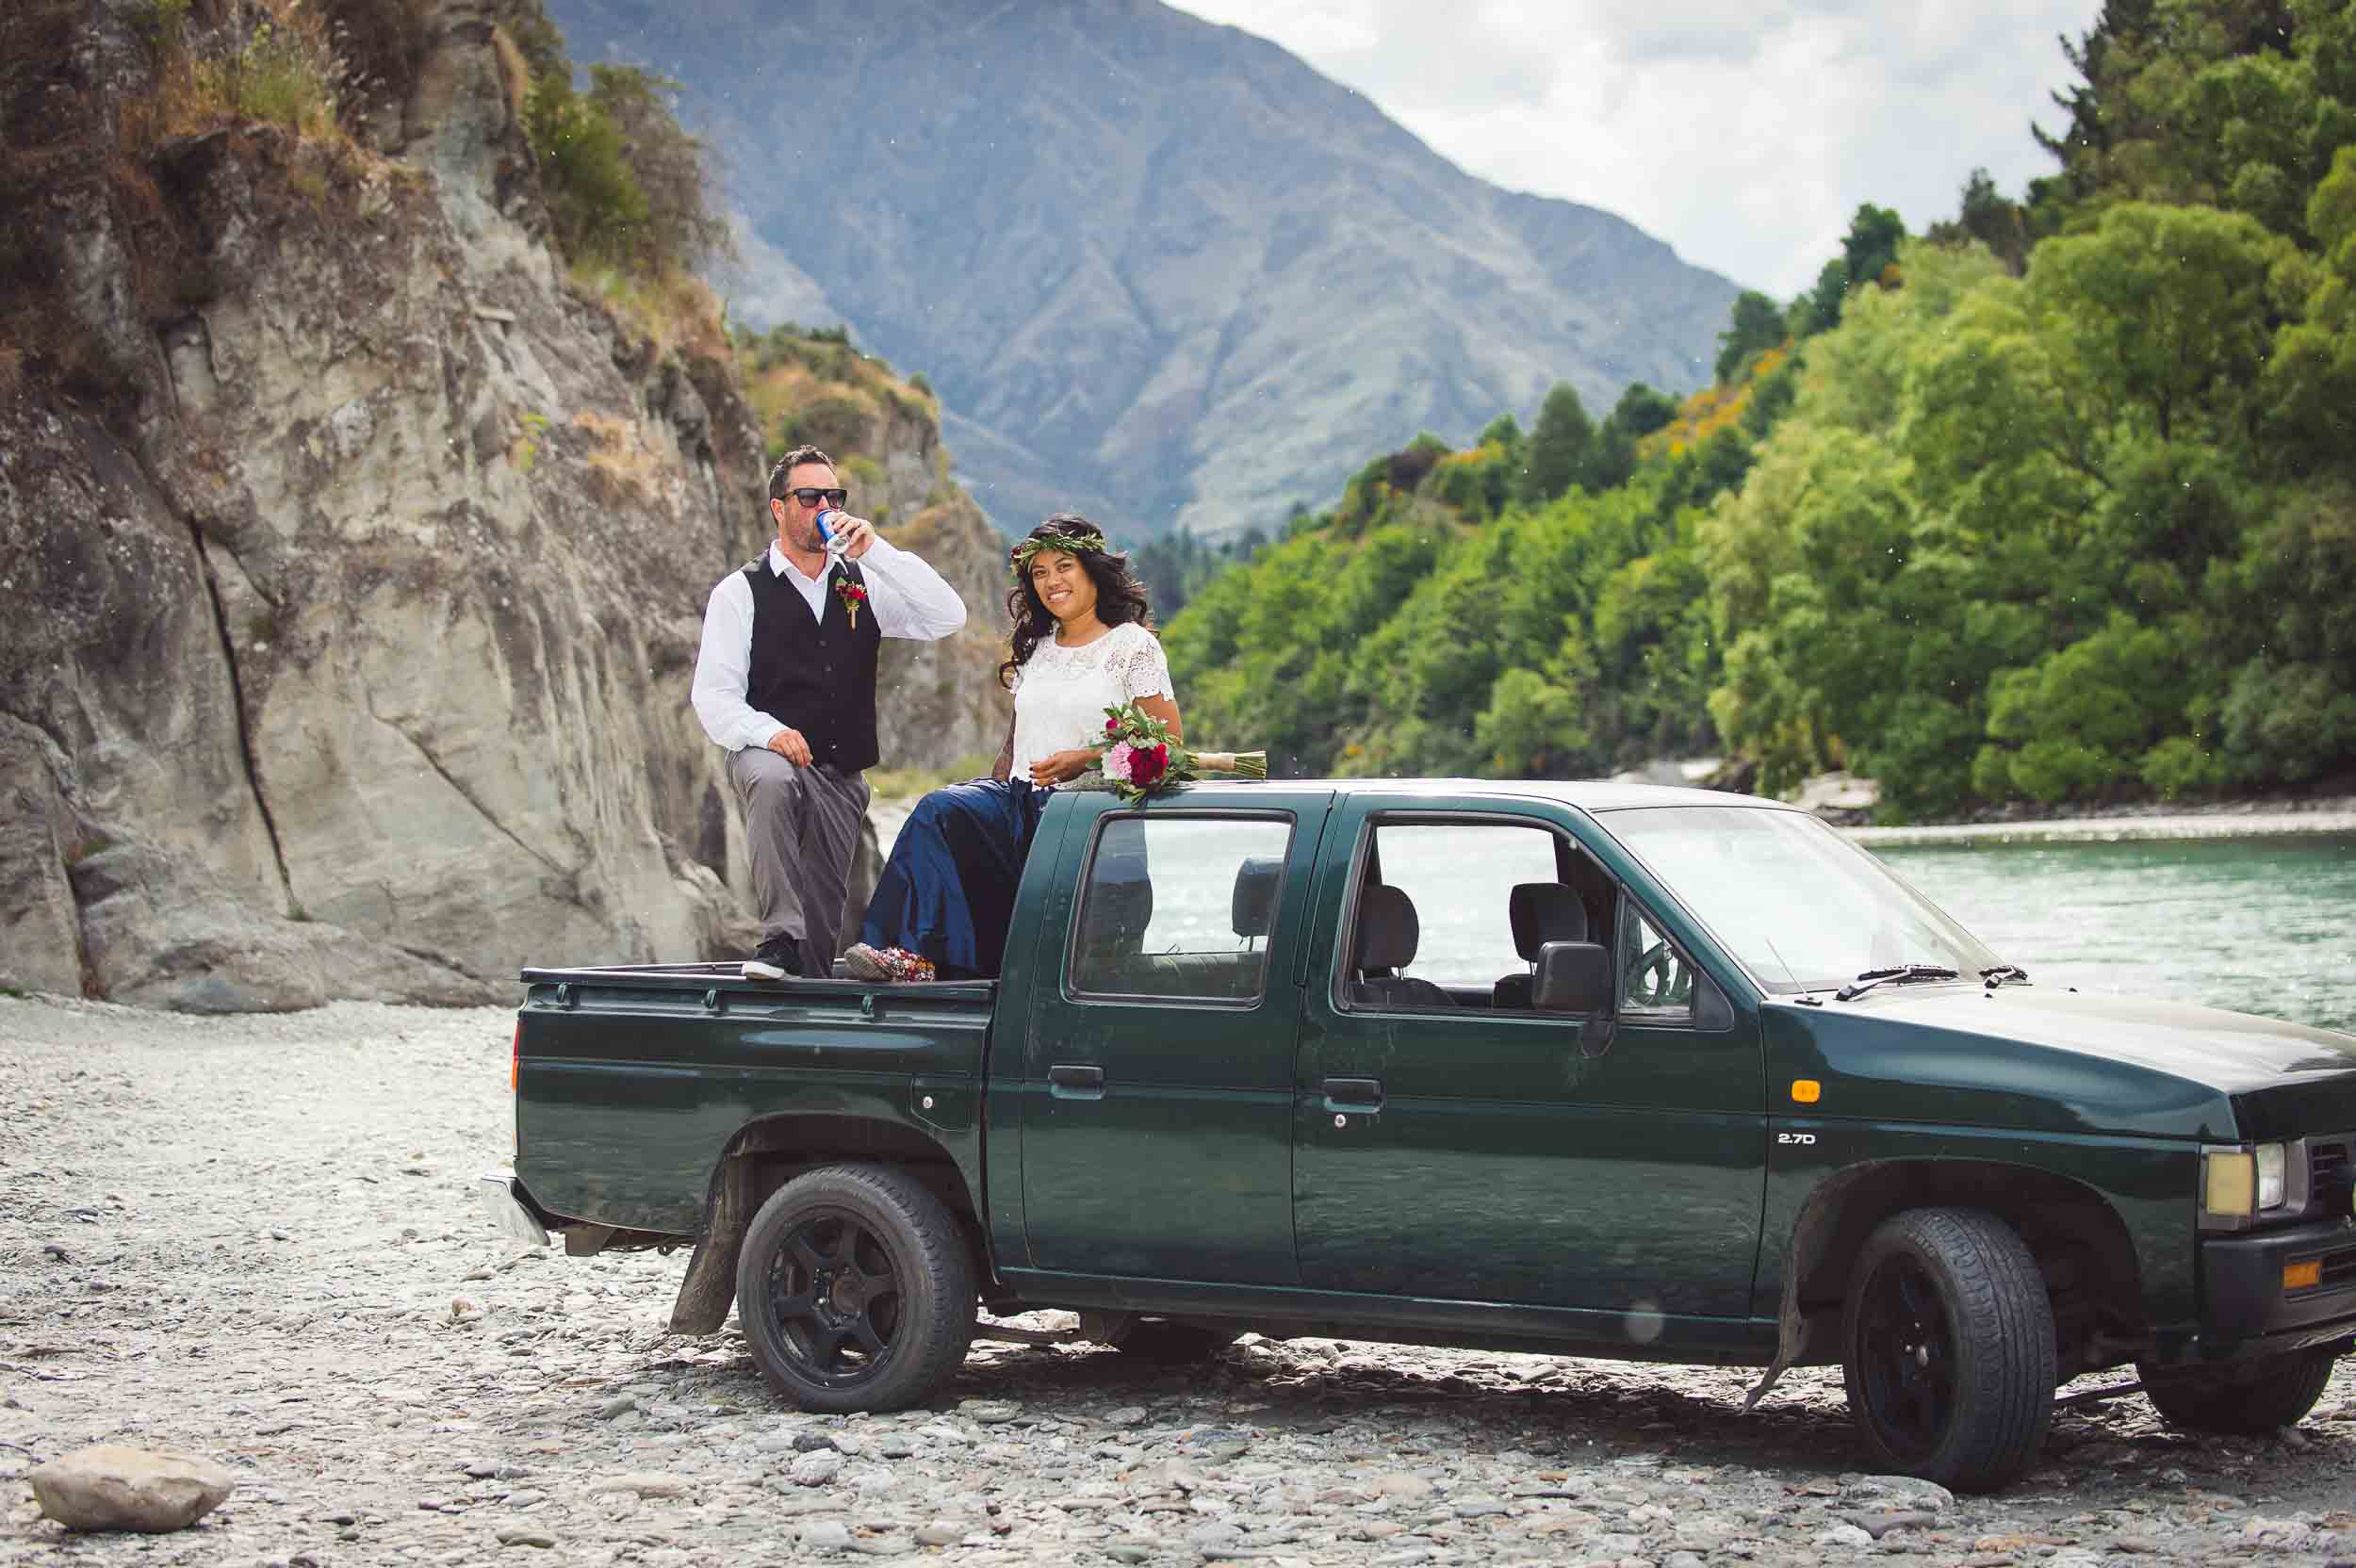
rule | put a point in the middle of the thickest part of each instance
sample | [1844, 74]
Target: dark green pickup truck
[1593, 1070]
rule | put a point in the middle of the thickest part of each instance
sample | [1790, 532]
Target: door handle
[1353, 1094]
[1067, 1081]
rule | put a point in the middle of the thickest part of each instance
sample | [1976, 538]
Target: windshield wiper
[1899, 972]
[1996, 975]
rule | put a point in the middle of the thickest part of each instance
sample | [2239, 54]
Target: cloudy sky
[1742, 132]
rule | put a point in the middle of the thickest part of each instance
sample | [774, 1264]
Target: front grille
[2328, 1176]
[2339, 1268]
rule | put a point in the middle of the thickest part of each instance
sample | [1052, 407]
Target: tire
[856, 1290]
[1947, 1349]
[1165, 1344]
[2249, 1398]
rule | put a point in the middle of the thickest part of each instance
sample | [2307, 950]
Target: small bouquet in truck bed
[1140, 757]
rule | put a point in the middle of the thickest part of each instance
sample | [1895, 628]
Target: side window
[1655, 979]
[1433, 922]
[1180, 907]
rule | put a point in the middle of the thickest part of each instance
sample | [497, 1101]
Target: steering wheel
[1660, 978]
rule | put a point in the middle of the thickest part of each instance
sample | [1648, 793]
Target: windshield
[1793, 902]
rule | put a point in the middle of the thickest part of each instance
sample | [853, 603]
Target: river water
[2259, 925]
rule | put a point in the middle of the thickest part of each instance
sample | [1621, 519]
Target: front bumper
[503, 1202]
[2242, 1293]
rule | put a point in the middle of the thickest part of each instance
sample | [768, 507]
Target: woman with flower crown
[1082, 642]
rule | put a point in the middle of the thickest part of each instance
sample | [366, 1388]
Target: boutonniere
[852, 595]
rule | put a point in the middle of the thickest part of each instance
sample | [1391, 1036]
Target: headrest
[1121, 904]
[1387, 929]
[1545, 913]
[1256, 881]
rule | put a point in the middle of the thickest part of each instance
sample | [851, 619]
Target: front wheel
[856, 1290]
[2249, 1398]
[1948, 1349]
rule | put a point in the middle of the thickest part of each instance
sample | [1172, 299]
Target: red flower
[852, 595]
[1112, 726]
[1148, 763]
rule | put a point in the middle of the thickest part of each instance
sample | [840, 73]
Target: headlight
[2239, 1184]
[2229, 1185]
[2270, 1169]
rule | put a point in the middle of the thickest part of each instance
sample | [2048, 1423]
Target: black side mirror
[1572, 977]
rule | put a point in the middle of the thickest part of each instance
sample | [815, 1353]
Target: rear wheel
[1948, 1349]
[856, 1290]
[2239, 1397]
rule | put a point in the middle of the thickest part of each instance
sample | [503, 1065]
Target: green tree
[1559, 447]
[1869, 255]
[681, 228]
[595, 206]
[1755, 325]
[1530, 728]
[1986, 217]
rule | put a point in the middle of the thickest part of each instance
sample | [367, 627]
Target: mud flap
[705, 1294]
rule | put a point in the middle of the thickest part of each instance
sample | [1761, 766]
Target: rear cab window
[1179, 908]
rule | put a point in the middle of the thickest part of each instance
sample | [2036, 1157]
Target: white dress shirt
[907, 598]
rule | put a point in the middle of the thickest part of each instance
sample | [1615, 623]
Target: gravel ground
[256, 1238]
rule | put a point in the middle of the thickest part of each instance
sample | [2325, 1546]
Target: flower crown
[1018, 557]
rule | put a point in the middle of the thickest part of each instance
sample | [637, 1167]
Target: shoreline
[2090, 830]
[2242, 819]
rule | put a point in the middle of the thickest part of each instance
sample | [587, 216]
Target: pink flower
[1117, 760]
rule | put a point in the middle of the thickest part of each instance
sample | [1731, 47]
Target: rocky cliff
[356, 558]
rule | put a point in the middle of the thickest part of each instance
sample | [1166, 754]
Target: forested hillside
[2056, 501]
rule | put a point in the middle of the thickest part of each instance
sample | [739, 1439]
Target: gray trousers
[801, 829]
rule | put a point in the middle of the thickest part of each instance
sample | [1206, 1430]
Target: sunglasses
[811, 498]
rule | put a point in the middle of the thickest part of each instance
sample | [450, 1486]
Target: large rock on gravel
[109, 1487]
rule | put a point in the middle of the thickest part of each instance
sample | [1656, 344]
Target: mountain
[1162, 271]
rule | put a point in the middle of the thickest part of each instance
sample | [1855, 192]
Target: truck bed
[633, 1079]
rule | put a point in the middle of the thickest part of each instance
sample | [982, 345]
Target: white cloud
[1744, 134]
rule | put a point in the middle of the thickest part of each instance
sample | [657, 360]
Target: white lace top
[1060, 694]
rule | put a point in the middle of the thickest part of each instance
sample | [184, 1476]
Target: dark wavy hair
[1119, 596]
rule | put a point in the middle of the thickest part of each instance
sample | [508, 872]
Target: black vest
[818, 677]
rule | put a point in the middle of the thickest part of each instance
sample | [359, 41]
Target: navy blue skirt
[948, 890]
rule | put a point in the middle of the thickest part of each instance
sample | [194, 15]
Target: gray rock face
[109, 1487]
[351, 649]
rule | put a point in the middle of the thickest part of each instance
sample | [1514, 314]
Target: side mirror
[1572, 977]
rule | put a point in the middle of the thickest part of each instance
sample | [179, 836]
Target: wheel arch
[770, 1151]
[2080, 1244]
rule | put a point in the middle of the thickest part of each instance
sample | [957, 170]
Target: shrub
[594, 205]
[2181, 766]
[2291, 722]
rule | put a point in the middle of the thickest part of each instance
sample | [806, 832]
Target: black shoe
[774, 959]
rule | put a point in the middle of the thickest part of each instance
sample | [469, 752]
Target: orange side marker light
[2302, 1276]
[1806, 1091]
[516, 1059]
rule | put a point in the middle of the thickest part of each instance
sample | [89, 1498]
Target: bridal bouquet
[1140, 757]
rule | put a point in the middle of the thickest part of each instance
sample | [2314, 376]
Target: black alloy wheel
[833, 1300]
[856, 1289]
[1948, 1349]
[1906, 1357]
